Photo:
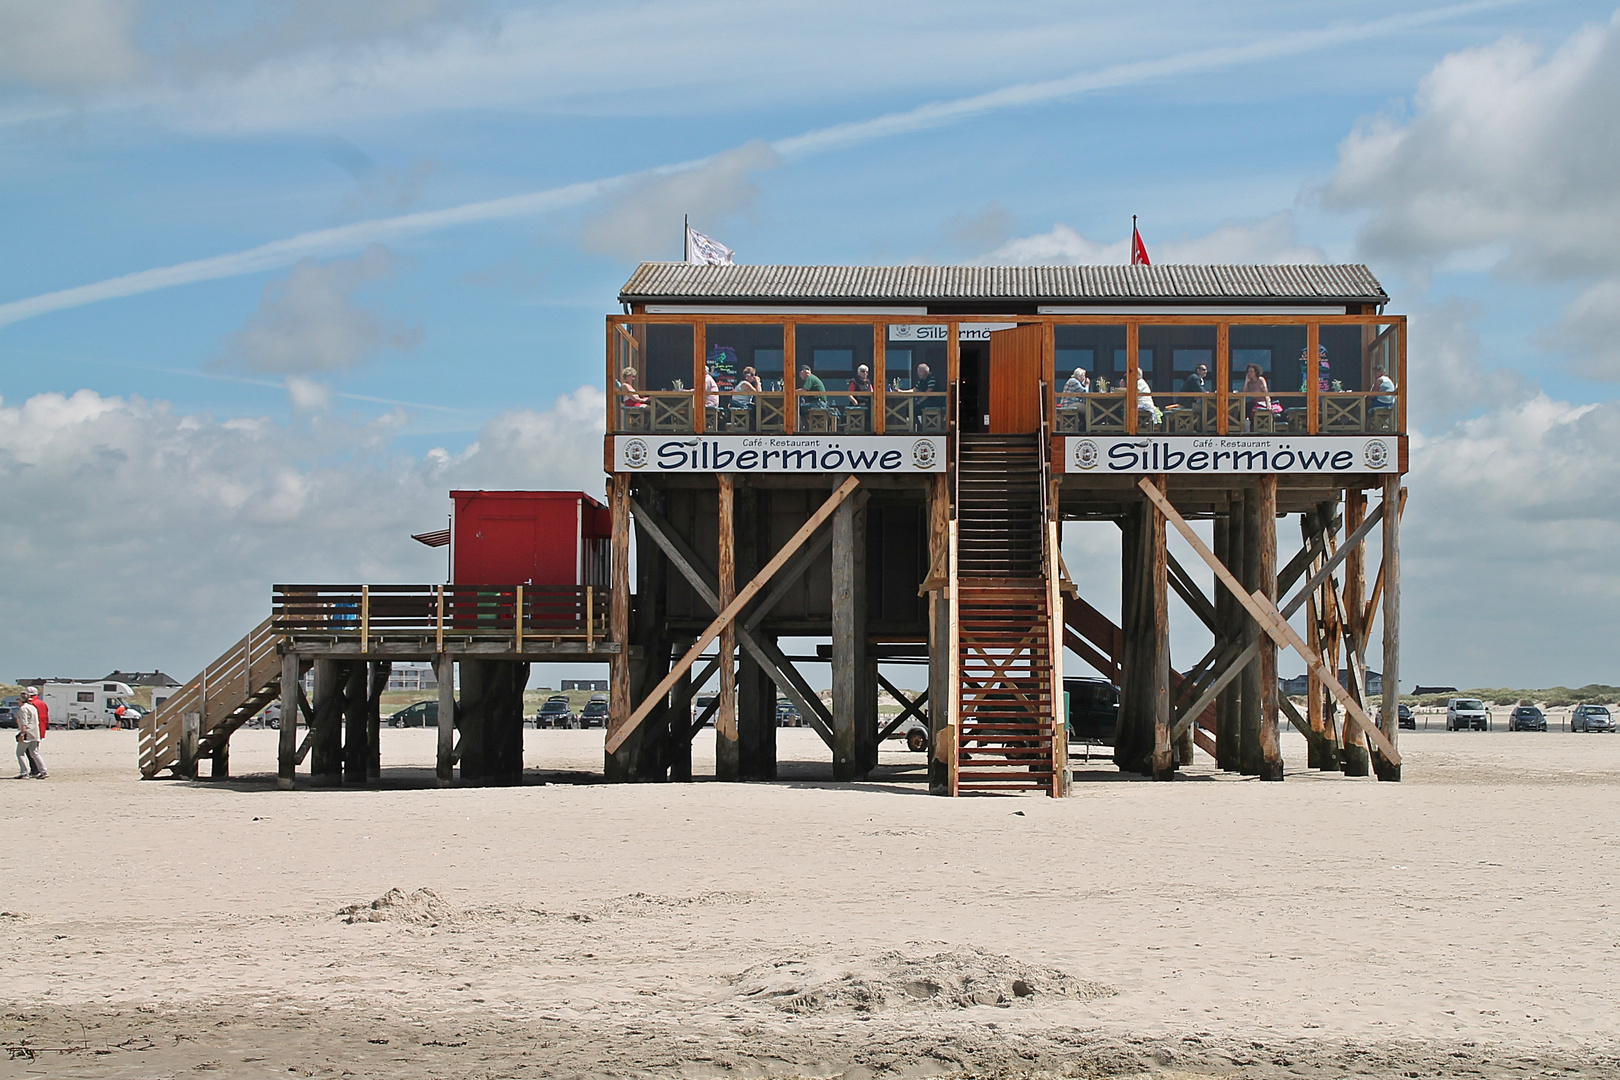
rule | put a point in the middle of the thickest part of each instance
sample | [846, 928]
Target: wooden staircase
[1007, 646]
[222, 697]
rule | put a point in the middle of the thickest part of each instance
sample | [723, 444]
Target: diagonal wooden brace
[763, 650]
[1270, 620]
[744, 597]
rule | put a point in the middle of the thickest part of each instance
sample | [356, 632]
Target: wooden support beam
[1271, 763]
[287, 743]
[356, 723]
[619, 603]
[909, 707]
[727, 758]
[729, 614]
[1192, 595]
[1251, 717]
[1377, 590]
[1354, 758]
[939, 632]
[1164, 760]
[1221, 689]
[445, 763]
[1389, 575]
[1270, 619]
[763, 650]
[853, 747]
[326, 732]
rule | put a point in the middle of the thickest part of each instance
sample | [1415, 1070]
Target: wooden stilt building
[884, 459]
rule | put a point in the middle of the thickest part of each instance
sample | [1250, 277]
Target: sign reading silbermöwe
[1230, 454]
[779, 453]
[942, 332]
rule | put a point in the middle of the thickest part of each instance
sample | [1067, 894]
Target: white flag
[706, 251]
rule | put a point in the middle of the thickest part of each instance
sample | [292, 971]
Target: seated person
[1195, 383]
[923, 382]
[861, 384]
[1079, 383]
[711, 388]
[812, 391]
[742, 395]
[627, 388]
[1258, 391]
[1144, 400]
[1385, 387]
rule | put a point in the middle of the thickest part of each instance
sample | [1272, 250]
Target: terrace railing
[369, 613]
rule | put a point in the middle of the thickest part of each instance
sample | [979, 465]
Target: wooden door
[1015, 380]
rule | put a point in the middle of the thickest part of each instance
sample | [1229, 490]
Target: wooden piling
[727, 763]
[444, 770]
[1389, 715]
[356, 723]
[939, 633]
[287, 741]
[619, 696]
[326, 738]
[1229, 704]
[1271, 764]
[378, 684]
[1353, 753]
[1164, 758]
[850, 750]
[1251, 753]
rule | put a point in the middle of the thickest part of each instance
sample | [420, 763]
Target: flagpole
[686, 238]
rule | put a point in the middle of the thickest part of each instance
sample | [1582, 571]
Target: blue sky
[295, 417]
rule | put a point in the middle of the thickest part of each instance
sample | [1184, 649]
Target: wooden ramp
[221, 698]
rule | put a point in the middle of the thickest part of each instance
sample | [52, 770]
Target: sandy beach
[1463, 922]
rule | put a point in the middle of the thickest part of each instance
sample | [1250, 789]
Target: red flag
[1139, 255]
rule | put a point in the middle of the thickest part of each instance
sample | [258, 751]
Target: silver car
[1591, 718]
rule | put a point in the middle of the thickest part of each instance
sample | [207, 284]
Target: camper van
[88, 704]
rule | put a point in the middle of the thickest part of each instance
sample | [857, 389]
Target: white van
[87, 704]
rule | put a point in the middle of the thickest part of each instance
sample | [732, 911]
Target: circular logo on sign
[1086, 454]
[923, 453]
[1376, 453]
[635, 453]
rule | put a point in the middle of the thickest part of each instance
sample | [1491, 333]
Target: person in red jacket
[31, 722]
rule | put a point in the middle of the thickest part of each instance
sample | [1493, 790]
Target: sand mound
[424, 907]
[949, 980]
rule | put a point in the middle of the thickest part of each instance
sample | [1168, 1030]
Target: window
[1100, 350]
[1167, 355]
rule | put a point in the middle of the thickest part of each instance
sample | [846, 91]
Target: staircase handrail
[213, 694]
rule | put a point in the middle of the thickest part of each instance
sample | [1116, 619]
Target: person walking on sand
[29, 733]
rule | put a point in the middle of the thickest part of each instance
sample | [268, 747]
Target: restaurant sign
[1217, 454]
[779, 453]
[942, 332]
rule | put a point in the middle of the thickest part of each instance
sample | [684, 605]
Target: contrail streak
[354, 237]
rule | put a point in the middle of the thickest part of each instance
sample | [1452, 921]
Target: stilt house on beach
[883, 459]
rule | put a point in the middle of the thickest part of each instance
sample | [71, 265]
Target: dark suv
[594, 714]
[555, 714]
[1093, 710]
[1527, 718]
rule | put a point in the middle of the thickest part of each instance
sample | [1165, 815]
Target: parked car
[8, 712]
[594, 714]
[787, 715]
[915, 732]
[556, 713]
[1527, 718]
[1404, 717]
[1591, 718]
[1093, 710]
[421, 714]
[702, 702]
[1467, 714]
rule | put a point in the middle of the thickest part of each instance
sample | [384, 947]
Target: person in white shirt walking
[29, 734]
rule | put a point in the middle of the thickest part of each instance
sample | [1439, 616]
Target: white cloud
[310, 321]
[166, 531]
[67, 45]
[638, 223]
[1504, 146]
[1269, 240]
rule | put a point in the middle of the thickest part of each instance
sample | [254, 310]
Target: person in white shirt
[29, 762]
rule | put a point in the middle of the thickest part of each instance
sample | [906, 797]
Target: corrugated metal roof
[672, 282]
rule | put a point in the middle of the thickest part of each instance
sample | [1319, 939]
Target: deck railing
[373, 612]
